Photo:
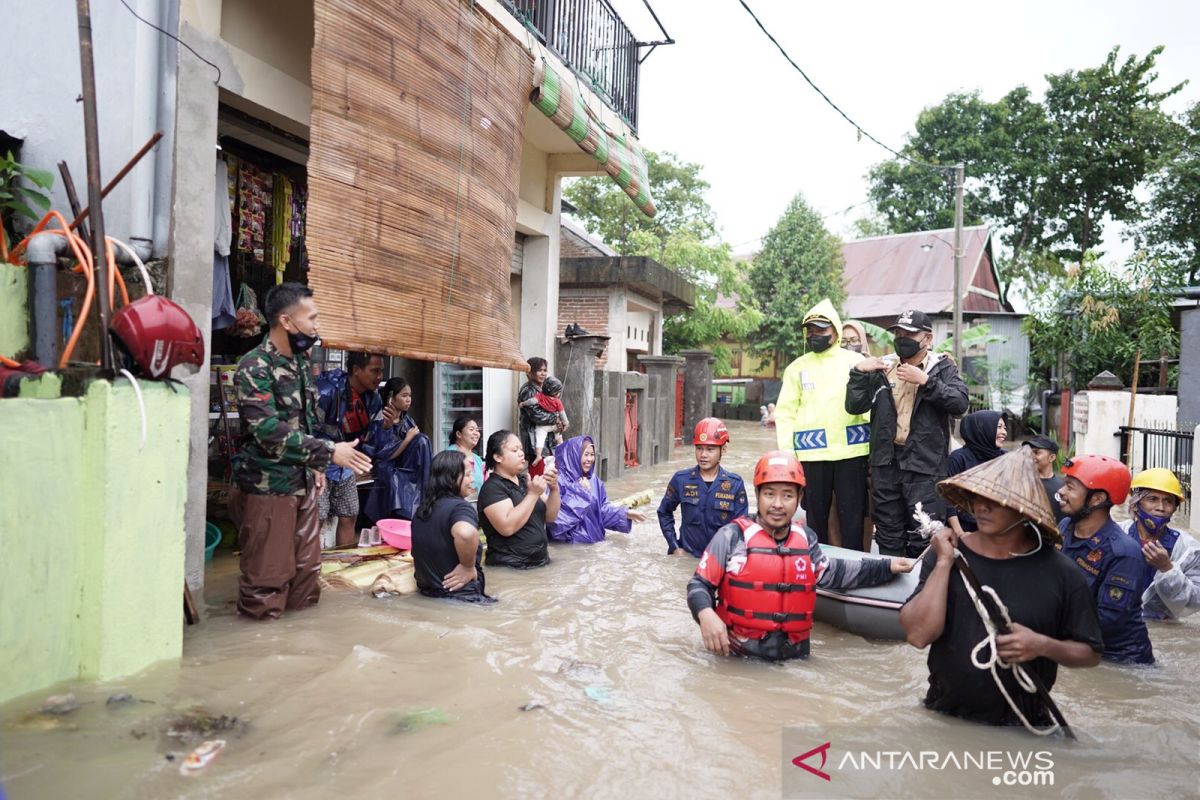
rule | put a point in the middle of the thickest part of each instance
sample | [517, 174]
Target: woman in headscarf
[983, 433]
[401, 454]
[585, 513]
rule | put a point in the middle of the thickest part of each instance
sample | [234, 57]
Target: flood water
[411, 697]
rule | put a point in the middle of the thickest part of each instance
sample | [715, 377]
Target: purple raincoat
[585, 512]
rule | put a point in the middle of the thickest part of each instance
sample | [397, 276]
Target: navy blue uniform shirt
[706, 507]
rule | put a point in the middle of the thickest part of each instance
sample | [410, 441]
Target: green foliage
[1173, 230]
[682, 236]
[799, 265]
[1042, 175]
[1099, 318]
[17, 199]
[975, 336]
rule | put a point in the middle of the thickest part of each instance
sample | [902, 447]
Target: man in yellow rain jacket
[811, 421]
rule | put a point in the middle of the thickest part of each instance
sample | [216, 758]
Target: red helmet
[158, 334]
[778, 467]
[1100, 473]
[710, 430]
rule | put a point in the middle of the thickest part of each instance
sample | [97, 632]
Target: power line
[833, 105]
[173, 36]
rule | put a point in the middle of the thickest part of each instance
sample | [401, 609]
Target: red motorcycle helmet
[710, 430]
[1101, 473]
[778, 467]
[157, 334]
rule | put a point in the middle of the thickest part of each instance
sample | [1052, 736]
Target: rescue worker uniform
[274, 499]
[764, 588]
[706, 507]
[831, 444]
[1112, 563]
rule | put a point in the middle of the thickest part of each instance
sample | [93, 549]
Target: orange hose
[8, 362]
[114, 274]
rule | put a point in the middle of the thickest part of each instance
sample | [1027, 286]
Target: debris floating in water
[197, 724]
[60, 704]
[119, 699]
[601, 694]
[532, 705]
[201, 757]
[415, 720]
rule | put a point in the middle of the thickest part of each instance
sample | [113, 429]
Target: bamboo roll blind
[416, 136]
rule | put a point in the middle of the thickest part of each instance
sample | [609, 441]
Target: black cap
[1042, 443]
[913, 321]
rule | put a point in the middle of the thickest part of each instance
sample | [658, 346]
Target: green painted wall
[92, 535]
[14, 309]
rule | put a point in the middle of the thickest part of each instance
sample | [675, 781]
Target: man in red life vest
[755, 587]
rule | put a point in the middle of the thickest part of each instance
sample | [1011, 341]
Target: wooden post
[1137, 363]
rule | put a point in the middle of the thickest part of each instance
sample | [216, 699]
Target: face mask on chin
[819, 344]
[906, 348]
[301, 342]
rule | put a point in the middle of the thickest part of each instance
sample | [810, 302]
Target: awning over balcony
[559, 99]
[417, 127]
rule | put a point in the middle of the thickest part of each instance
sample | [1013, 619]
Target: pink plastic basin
[396, 532]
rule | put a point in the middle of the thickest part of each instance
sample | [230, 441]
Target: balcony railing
[594, 42]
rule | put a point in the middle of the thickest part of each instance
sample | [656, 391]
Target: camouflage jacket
[277, 403]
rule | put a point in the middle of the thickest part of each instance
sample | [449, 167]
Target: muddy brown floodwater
[587, 679]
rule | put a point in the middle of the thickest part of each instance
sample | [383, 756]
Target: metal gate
[1161, 448]
[631, 429]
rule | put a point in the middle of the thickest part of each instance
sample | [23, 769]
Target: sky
[724, 97]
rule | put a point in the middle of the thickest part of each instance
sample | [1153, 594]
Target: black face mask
[907, 348]
[301, 342]
[819, 344]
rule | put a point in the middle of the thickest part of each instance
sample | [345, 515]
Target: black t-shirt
[1052, 485]
[525, 548]
[1043, 591]
[433, 550]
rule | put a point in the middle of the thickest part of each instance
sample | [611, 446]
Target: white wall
[1097, 417]
[41, 63]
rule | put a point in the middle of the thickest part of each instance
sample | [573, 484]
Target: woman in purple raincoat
[585, 512]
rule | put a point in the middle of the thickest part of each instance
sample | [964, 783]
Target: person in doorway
[1111, 561]
[531, 412]
[280, 463]
[584, 513]
[1053, 614]
[1171, 575]
[402, 456]
[710, 495]
[1045, 452]
[446, 549]
[515, 508]
[911, 398]
[348, 401]
[547, 437]
[854, 336]
[754, 590]
[983, 434]
[464, 437]
[811, 420]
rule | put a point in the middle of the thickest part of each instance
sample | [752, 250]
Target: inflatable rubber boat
[870, 611]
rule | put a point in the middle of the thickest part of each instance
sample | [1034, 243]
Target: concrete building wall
[1098, 416]
[588, 308]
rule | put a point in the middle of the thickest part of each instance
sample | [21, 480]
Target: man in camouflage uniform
[280, 464]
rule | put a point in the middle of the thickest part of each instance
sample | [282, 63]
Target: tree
[1043, 175]
[682, 236]
[1101, 317]
[799, 265]
[1173, 229]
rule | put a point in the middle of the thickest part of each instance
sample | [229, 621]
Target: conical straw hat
[1010, 480]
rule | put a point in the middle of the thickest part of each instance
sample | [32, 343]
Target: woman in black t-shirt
[445, 534]
[514, 511]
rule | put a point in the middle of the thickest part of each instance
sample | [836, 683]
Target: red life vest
[776, 588]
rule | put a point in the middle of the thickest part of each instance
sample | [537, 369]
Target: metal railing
[1153, 447]
[592, 39]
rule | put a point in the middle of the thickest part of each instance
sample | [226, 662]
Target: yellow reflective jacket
[810, 415]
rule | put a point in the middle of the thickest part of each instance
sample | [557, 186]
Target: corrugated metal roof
[887, 274]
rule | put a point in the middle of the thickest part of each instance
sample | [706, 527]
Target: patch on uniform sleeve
[858, 434]
[810, 440]
[1120, 580]
[1116, 596]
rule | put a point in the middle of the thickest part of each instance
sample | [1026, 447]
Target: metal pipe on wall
[42, 256]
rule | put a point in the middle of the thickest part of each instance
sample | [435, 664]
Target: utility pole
[958, 257]
[91, 137]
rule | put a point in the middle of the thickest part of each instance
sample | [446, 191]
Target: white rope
[141, 267]
[137, 390]
[1018, 670]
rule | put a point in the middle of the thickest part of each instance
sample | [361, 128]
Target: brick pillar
[576, 360]
[697, 389]
[660, 420]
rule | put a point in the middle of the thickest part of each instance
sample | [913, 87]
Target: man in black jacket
[911, 401]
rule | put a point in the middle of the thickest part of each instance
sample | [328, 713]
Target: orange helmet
[710, 430]
[778, 467]
[1100, 473]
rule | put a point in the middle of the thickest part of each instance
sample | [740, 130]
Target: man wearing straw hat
[976, 672]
